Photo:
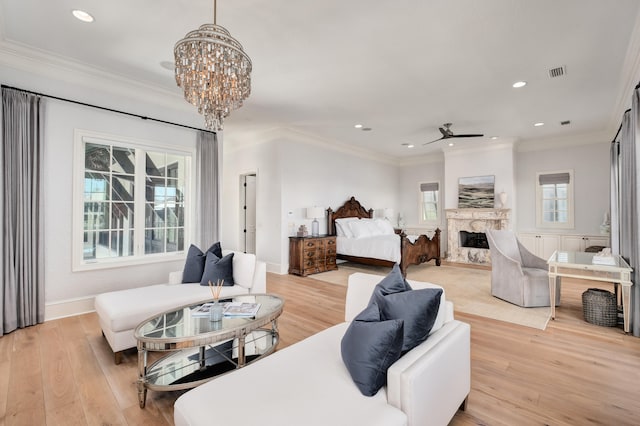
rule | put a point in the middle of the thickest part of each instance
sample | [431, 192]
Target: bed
[362, 239]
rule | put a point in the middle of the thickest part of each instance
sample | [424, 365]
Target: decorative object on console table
[311, 255]
[314, 213]
[302, 231]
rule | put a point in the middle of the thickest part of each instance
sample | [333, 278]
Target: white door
[248, 192]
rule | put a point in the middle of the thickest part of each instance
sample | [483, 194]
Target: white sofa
[308, 384]
[120, 312]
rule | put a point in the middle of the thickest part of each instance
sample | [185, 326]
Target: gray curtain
[628, 198]
[22, 295]
[208, 190]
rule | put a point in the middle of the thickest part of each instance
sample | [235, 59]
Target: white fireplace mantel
[472, 220]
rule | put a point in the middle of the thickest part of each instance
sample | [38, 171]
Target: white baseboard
[68, 308]
[278, 268]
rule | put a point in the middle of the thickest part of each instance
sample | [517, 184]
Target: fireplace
[466, 238]
[474, 240]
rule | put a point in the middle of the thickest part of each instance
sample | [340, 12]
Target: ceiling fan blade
[427, 143]
[468, 136]
[445, 133]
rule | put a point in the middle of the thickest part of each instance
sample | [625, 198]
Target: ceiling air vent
[557, 72]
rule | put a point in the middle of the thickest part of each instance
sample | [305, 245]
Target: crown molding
[49, 66]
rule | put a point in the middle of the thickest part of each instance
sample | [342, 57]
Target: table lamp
[314, 213]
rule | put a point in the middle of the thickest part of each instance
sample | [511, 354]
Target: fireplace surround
[472, 222]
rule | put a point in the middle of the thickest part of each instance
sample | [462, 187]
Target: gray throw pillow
[369, 347]
[417, 308]
[216, 268]
[194, 265]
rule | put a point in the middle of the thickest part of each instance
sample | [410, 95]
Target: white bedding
[385, 247]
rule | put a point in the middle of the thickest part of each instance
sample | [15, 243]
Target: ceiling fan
[447, 134]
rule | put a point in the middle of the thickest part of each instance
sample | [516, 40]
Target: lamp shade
[314, 212]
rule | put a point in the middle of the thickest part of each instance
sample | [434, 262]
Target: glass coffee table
[201, 349]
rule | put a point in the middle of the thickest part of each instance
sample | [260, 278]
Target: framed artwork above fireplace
[476, 192]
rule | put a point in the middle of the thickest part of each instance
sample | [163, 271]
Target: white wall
[295, 172]
[61, 283]
[590, 164]
[496, 160]
[411, 176]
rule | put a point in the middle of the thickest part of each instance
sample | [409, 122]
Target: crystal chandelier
[213, 71]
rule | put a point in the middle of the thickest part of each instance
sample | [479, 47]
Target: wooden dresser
[310, 255]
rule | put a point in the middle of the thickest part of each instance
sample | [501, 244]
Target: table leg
[142, 373]
[552, 295]
[241, 357]
[626, 297]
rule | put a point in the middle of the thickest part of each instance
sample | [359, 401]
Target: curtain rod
[142, 117]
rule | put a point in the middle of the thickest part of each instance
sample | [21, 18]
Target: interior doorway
[248, 212]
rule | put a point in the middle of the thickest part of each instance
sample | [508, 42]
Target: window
[131, 204]
[554, 199]
[429, 202]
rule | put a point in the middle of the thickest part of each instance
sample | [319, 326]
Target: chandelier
[213, 71]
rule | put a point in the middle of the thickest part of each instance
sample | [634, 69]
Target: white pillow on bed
[385, 226]
[342, 227]
[360, 229]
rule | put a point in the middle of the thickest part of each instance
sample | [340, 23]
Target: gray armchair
[517, 275]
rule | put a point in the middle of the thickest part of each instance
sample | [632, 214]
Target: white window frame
[540, 222]
[78, 262]
[438, 204]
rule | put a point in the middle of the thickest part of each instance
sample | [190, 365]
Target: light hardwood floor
[573, 373]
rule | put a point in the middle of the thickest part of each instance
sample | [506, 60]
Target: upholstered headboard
[351, 208]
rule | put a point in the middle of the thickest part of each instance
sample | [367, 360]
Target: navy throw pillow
[417, 308]
[194, 265]
[216, 268]
[369, 347]
[394, 282]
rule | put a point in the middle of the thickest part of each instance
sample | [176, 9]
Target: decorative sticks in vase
[216, 289]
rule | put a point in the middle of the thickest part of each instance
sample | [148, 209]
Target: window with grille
[429, 202]
[133, 201]
[554, 199]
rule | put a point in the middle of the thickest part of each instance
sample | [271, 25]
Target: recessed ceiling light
[519, 84]
[358, 126]
[82, 15]
[540, 123]
[410, 145]
[450, 143]
[493, 138]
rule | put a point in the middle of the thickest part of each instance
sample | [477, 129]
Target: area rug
[469, 290]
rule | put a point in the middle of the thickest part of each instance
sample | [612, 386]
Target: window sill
[119, 263]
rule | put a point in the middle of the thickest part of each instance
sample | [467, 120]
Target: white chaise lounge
[308, 384]
[120, 312]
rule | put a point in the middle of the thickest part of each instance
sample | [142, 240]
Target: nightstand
[311, 255]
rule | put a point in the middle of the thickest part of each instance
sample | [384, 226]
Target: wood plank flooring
[572, 373]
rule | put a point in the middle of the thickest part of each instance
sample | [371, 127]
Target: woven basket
[600, 307]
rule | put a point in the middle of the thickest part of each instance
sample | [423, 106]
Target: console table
[580, 265]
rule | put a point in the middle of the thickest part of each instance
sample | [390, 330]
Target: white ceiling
[402, 68]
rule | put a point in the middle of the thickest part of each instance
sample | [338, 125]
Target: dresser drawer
[311, 244]
[310, 254]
